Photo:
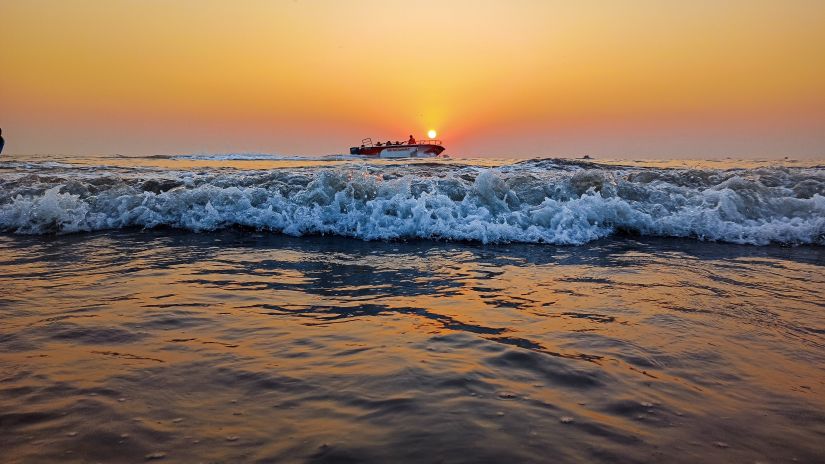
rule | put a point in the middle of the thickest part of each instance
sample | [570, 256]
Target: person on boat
[378, 144]
[411, 141]
[388, 143]
[2, 142]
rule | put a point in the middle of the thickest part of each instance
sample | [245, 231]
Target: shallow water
[255, 308]
[243, 346]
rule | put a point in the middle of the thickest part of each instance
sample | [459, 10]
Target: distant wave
[264, 157]
[35, 165]
[538, 201]
[239, 157]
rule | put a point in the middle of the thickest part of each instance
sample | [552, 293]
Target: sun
[432, 133]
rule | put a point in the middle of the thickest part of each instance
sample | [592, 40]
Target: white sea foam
[541, 202]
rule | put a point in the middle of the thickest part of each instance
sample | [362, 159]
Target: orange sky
[608, 78]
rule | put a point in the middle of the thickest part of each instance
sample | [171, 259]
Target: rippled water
[134, 338]
[241, 346]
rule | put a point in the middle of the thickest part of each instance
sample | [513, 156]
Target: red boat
[428, 148]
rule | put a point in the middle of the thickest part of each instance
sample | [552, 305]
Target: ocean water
[256, 308]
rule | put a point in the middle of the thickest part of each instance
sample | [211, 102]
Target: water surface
[256, 308]
[250, 346]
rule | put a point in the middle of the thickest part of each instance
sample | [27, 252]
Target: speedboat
[428, 148]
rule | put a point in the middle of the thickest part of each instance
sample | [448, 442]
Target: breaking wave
[539, 201]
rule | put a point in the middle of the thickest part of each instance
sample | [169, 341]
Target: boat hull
[399, 151]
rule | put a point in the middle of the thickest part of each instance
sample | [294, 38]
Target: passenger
[411, 141]
[388, 143]
[378, 144]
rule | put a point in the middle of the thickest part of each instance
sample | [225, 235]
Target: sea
[228, 308]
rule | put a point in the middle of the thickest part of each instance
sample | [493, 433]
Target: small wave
[542, 201]
[30, 165]
[240, 157]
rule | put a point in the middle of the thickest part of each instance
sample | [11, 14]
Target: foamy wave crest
[540, 202]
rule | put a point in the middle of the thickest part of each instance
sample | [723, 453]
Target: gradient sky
[606, 78]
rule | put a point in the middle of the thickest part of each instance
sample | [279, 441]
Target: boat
[427, 148]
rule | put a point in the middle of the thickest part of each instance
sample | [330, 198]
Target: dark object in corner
[2, 142]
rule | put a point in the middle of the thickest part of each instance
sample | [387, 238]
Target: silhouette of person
[2, 142]
[411, 141]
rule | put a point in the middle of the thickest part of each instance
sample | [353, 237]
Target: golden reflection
[177, 333]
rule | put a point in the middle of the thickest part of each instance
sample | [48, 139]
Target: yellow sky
[546, 77]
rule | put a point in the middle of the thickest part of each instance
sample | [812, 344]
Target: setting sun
[432, 133]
